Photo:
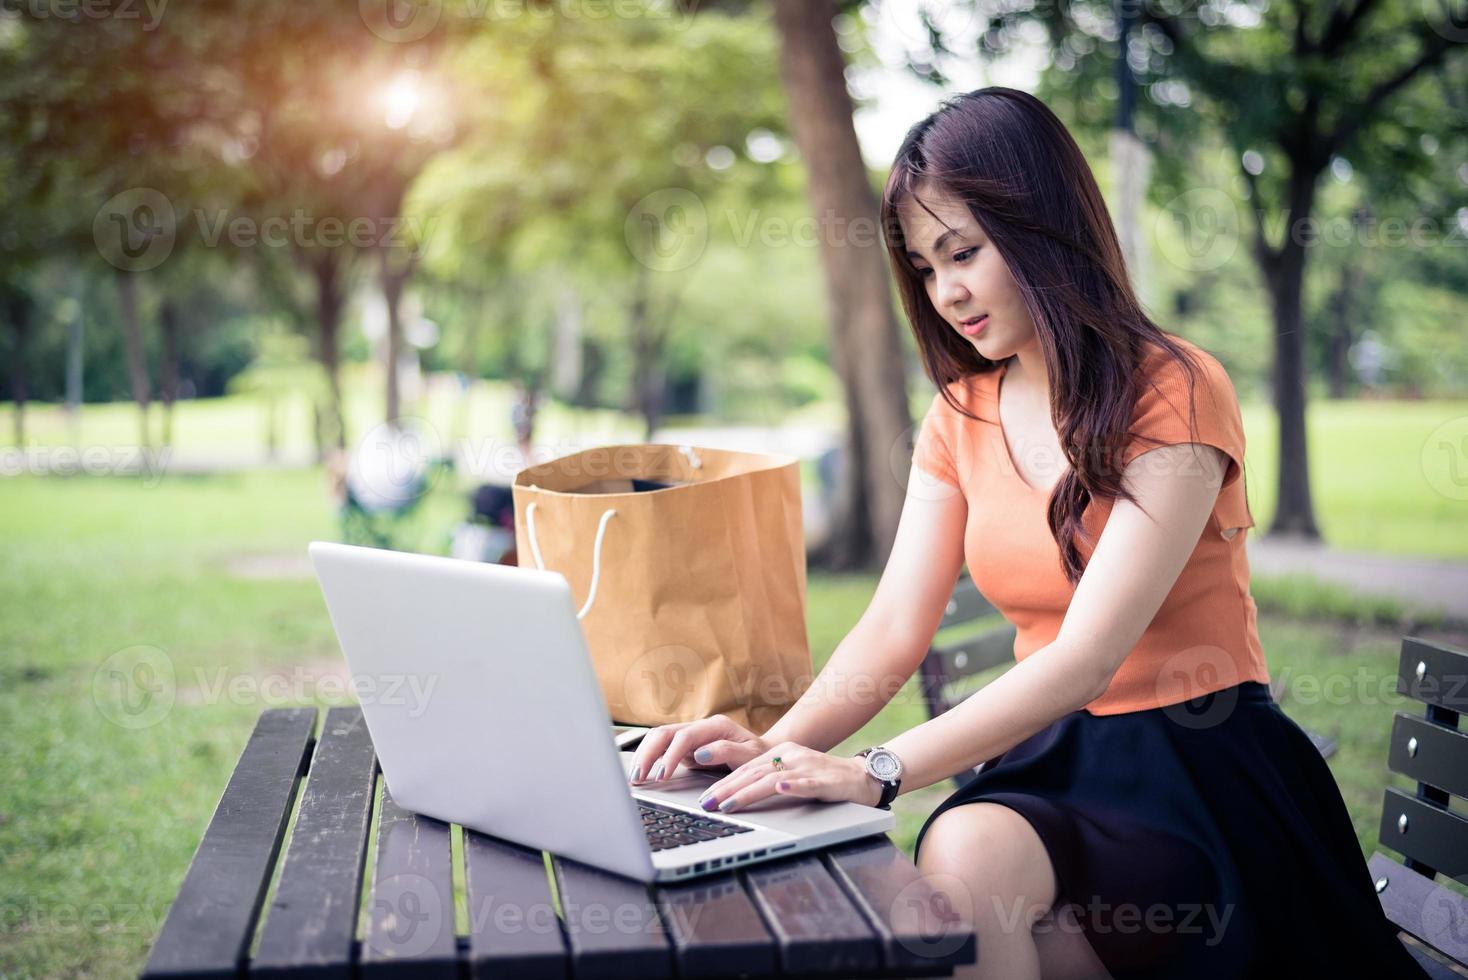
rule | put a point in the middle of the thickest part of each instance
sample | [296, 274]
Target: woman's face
[965, 276]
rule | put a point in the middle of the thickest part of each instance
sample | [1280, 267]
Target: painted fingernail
[636, 773]
[729, 805]
[657, 772]
[702, 755]
[709, 803]
[783, 787]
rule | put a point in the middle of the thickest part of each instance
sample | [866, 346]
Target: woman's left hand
[806, 773]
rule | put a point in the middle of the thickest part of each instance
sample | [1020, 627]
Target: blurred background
[278, 271]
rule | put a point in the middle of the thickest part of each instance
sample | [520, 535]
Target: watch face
[884, 764]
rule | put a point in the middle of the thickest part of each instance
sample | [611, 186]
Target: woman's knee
[992, 864]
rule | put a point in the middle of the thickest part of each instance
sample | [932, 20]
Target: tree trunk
[395, 273]
[329, 271]
[1284, 273]
[863, 328]
[18, 311]
[137, 365]
[168, 391]
[1341, 335]
[647, 375]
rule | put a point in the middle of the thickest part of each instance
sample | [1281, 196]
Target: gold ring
[777, 763]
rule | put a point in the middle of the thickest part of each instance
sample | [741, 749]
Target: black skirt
[1203, 839]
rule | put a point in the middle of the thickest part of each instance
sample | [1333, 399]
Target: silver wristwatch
[883, 765]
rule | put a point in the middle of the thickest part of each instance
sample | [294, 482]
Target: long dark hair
[1024, 180]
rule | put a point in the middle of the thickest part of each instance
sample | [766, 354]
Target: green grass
[1376, 467]
[98, 820]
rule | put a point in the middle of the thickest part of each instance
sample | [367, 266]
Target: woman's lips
[975, 327]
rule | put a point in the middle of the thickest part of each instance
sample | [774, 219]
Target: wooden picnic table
[860, 909]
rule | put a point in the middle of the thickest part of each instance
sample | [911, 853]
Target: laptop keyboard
[667, 827]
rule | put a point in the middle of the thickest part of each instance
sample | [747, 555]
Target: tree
[863, 327]
[1291, 87]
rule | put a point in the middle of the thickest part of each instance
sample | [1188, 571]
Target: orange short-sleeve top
[1205, 635]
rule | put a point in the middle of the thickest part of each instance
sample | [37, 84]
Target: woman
[1148, 810]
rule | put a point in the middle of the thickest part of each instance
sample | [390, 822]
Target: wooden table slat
[715, 929]
[212, 920]
[410, 919]
[311, 925]
[612, 924]
[815, 924]
[513, 927]
[917, 924]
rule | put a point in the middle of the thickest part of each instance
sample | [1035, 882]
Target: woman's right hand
[706, 744]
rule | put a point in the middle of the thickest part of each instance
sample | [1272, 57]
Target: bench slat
[977, 653]
[513, 928]
[212, 920]
[1438, 757]
[1436, 837]
[716, 930]
[612, 924]
[966, 603]
[1421, 907]
[917, 926]
[817, 927]
[410, 919]
[311, 924]
[1444, 680]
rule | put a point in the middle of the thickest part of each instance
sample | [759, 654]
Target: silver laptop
[485, 711]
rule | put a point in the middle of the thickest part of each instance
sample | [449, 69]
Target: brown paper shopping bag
[692, 596]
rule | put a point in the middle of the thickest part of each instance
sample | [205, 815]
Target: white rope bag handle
[595, 553]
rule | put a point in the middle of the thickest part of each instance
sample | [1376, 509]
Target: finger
[762, 765]
[687, 738]
[725, 752]
[652, 746]
[760, 788]
[807, 787]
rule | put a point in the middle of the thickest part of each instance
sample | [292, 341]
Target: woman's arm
[1138, 558]
[886, 645]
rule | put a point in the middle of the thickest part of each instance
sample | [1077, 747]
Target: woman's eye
[924, 273]
[965, 255]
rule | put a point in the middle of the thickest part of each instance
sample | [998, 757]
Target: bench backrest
[1433, 838]
[989, 643]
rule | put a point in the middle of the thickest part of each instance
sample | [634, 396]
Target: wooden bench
[861, 909]
[1421, 827]
[987, 643]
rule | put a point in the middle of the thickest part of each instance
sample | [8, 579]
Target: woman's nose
[951, 292]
